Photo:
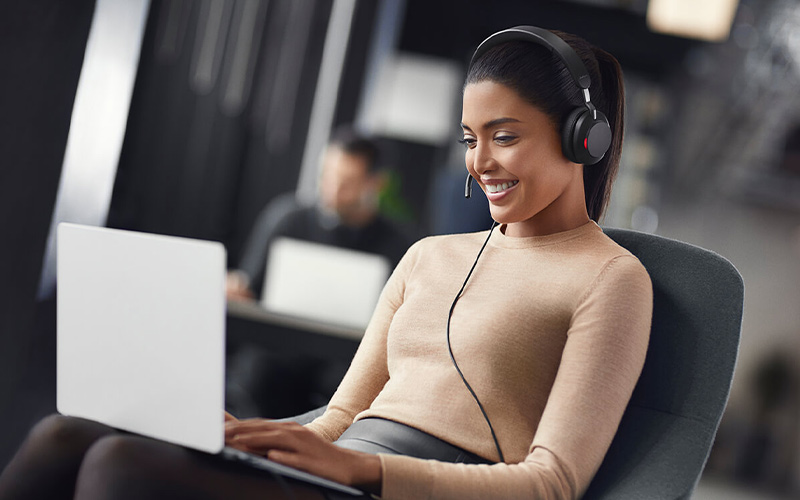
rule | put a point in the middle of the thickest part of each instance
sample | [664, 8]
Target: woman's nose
[483, 159]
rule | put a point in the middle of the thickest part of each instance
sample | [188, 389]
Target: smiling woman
[498, 376]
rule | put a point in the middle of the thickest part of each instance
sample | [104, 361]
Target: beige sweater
[551, 332]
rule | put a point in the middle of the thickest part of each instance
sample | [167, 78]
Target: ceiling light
[708, 20]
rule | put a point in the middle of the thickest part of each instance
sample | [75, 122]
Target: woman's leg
[122, 467]
[47, 463]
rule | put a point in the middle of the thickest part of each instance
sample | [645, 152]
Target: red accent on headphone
[586, 143]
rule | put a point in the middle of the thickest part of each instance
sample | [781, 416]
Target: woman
[513, 360]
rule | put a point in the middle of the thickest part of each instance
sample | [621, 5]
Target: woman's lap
[127, 466]
[66, 453]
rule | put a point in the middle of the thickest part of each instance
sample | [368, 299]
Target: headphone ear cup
[593, 138]
[568, 134]
[585, 139]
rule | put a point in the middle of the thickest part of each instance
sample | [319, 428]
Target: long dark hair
[541, 78]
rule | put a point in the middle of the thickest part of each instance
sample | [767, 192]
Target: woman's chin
[501, 216]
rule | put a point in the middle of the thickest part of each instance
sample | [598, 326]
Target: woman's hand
[291, 444]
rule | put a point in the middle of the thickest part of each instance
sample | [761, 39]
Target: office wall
[41, 50]
[220, 113]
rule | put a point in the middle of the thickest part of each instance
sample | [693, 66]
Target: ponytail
[599, 178]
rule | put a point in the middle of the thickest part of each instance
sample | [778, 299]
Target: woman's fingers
[265, 439]
[292, 444]
[306, 451]
[262, 442]
[254, 424]
[240, 428]
[262, 436]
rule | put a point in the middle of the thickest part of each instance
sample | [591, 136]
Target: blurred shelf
[718, 489]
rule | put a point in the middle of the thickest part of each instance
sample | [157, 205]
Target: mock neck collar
[499, 239]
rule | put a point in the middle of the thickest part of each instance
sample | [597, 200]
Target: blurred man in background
[346, 214]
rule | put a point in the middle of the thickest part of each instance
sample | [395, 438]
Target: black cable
[450, 347]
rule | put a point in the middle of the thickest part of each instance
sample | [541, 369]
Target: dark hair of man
[353, 143]
[541, 78]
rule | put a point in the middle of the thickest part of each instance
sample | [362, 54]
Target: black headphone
[586, 135]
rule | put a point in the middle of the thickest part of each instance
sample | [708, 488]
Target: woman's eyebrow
[493, 123]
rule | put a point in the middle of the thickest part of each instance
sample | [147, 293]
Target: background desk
[248, 322]
[280, 365]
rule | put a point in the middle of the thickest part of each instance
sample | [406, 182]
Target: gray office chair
[668, 428]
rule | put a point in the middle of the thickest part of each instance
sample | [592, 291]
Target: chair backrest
[667, 431]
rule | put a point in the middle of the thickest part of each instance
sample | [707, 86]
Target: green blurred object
[391, 203]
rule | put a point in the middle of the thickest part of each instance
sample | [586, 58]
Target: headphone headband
[585, 133]
[544, 38]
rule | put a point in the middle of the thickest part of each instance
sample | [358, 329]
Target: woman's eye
[504, 139]
[467, 141]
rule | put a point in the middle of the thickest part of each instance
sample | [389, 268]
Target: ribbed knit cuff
[404, 478]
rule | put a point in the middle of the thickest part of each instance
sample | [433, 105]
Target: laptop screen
[141, 333]
[323, 283]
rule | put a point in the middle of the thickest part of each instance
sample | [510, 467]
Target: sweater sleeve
[601, 362]
[368, 372]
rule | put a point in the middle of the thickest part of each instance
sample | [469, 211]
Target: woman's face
[514, 152]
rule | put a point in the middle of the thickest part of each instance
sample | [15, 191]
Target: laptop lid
[141, 333]
[322, 282]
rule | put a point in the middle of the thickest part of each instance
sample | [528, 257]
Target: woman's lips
[497, 190]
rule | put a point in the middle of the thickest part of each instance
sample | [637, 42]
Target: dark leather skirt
[378, 435]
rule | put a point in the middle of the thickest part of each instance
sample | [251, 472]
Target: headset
[586, 135]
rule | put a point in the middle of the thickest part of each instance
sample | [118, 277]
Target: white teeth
[496, 188]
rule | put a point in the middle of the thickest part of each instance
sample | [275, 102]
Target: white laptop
[141, 338]
[323, 283]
